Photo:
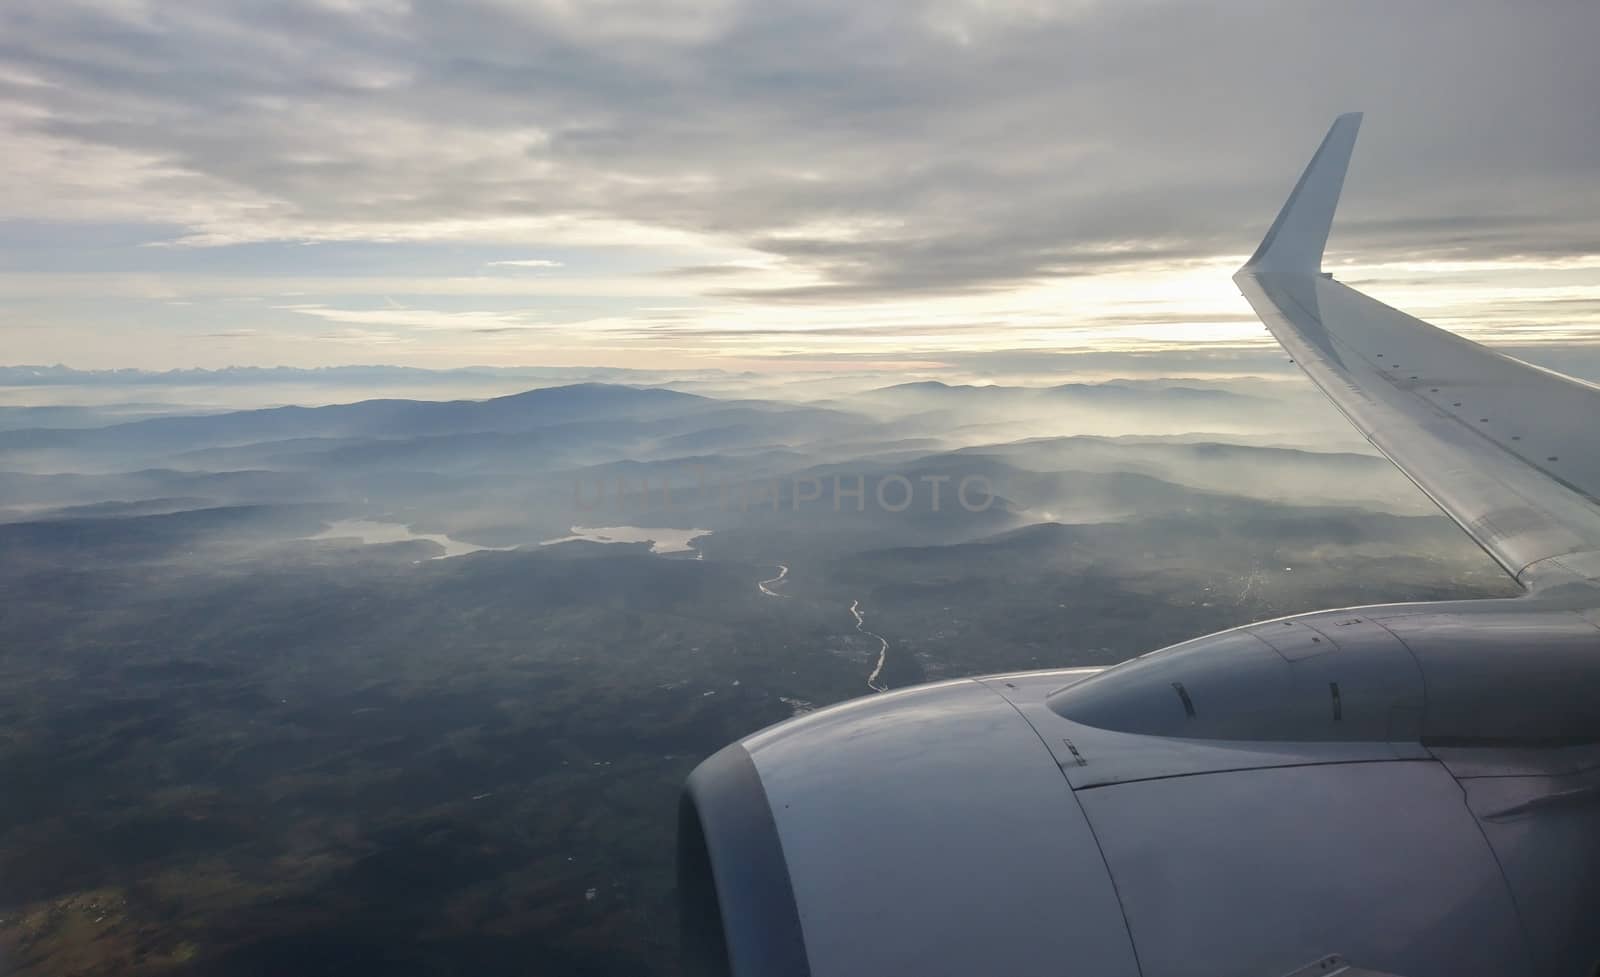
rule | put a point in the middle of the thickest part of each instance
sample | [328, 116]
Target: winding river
[883, 649]
[767, 585]
[874, 681]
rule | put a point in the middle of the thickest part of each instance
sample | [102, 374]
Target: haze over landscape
[430, 431]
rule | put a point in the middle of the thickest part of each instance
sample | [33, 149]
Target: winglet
[1296, 239]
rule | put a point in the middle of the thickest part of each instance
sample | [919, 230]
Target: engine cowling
[1265, 808]
[872, 811]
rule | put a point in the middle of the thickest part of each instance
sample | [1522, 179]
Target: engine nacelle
[1242, 805]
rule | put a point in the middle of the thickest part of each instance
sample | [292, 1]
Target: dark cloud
[706, 271]
[890, 148]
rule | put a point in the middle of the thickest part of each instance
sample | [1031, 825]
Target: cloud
[421, 319]
[526, 263]
[709, 271]
[875, 172]
[971, 145]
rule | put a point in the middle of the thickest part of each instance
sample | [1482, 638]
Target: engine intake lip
[728, 842]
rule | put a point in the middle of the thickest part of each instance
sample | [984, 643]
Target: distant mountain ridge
[1108, 391]
[368, 418]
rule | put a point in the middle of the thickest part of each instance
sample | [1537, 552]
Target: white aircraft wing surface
[1508, 450]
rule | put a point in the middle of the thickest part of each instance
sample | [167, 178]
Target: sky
[770, 185]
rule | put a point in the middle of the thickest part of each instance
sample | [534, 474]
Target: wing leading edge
[1506, 449]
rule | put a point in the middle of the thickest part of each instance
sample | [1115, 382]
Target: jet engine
[1369, 789]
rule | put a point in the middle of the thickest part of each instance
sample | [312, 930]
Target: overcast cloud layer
[549, 180]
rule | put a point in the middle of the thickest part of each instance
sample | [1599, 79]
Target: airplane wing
[1505, 448]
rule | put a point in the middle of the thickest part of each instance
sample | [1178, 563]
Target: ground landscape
[409, 686]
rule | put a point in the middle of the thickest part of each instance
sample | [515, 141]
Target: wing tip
[1298, 236]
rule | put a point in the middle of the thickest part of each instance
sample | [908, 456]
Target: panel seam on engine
[1072, 792]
